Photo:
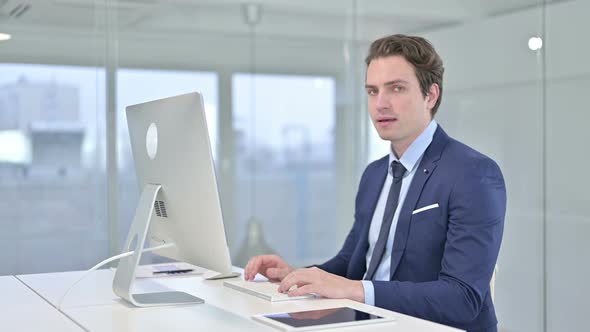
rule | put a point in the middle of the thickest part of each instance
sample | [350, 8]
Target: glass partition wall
[52, 138]
[283, 88]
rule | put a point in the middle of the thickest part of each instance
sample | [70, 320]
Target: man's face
[397, 107]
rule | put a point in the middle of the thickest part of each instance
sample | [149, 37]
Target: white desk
[92, 304]
[23, 310]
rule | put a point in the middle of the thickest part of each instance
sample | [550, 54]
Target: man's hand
[271, 266]
[320, 282]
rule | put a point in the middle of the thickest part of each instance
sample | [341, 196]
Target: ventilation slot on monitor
[160, 208]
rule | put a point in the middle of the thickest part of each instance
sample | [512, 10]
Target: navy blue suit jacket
[443, 258]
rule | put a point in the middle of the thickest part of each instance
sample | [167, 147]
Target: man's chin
[388, 137]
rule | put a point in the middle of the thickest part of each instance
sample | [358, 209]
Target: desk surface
[23, 310]
[92, 304]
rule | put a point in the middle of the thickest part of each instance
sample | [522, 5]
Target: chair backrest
[493, 281]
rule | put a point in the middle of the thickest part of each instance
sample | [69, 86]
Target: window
[50, 168]
[285, 166]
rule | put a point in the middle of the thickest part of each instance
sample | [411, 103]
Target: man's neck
[400, 147]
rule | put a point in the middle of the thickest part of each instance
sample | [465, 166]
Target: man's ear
[432, 96]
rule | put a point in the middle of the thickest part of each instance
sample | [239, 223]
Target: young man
[429, 217]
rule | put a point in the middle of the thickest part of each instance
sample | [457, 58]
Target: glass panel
[51, 168]
[270, 37]
[285, 166]
[567, 137]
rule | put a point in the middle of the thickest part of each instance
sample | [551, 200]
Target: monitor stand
[125, 274]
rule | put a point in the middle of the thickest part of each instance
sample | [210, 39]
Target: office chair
[493, 281]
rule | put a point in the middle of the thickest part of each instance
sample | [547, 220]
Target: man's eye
[398, 88]
[372, 92]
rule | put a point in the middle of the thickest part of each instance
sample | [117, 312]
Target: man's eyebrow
[368, 86]
[395, 82]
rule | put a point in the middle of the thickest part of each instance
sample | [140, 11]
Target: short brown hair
[420, 53]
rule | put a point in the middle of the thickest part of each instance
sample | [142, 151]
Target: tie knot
[397, 170]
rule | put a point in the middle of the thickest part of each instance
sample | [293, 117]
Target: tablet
[320, 319]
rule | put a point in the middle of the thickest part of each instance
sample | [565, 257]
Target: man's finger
[264, 263]
[253, 267]
[286, 283]
[303, 290]
[247, 269]
[276, 273]
[294, 278]
[259, 264]
[273, 273]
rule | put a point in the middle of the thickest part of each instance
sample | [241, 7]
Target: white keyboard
[263, 289]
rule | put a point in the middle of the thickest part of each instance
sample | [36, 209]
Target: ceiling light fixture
[4, 36]
[535, 43]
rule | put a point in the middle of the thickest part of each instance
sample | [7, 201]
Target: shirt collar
[415, 151]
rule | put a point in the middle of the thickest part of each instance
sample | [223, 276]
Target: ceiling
[326, 19]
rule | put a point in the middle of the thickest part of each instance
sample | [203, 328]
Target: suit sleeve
[339, 263]
[476, 208]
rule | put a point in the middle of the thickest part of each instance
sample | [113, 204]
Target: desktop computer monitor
[179, 200]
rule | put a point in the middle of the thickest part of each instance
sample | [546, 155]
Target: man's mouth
[385, 121]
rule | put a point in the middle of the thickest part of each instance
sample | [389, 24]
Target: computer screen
[179, 200]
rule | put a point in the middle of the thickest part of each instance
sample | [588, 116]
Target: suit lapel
[423, 173]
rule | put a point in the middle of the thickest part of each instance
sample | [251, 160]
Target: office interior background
[283, 88]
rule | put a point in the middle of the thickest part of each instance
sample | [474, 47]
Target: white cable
[108, 260]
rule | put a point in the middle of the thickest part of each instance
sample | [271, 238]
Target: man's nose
[382, 101]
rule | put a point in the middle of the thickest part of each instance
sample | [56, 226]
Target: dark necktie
[398, 171]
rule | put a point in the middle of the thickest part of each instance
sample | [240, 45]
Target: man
[429, 217]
